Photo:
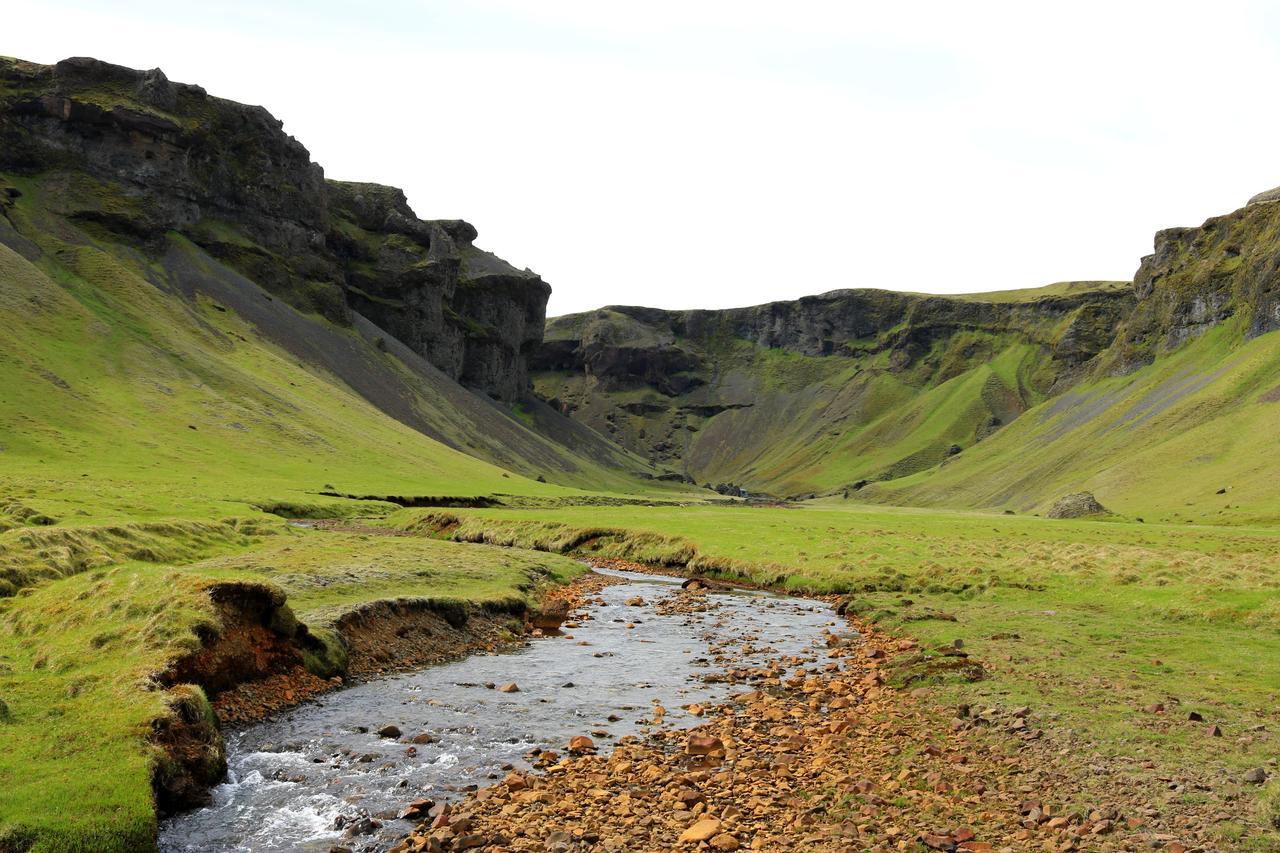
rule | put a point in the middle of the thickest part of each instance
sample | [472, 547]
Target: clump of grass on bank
[326, 574]
[29, 555]
[557, 537]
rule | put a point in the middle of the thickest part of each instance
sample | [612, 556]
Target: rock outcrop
[139, 158]
[467, 311]
[1198, 278]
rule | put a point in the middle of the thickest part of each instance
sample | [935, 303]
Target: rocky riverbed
[341, 771]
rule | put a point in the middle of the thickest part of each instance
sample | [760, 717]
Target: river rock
[509, 688]
[697, 744]
[725, 841]
[581, 744]
[417, 810]
[703, 830]
[389, 731]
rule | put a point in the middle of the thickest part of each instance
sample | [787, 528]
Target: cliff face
[470, 313]
[1198, 278]
[855, 382]
[137, 157]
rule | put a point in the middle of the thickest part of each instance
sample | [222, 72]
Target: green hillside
[111, 376]
[1187, 438]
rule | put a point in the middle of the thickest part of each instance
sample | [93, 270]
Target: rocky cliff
[137, 157]
[1197, 278]
[845, 381]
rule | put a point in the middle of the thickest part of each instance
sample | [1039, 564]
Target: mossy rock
[928, 668]
[1078, 505]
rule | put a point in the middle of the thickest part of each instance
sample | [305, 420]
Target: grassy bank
[78, 656]
[1092, 620]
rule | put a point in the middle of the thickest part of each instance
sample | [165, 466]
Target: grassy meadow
[1094, 620]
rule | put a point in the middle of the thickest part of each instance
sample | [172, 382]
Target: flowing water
[309, 779]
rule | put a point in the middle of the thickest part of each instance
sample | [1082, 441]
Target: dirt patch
[255, 637]
[1272, 396]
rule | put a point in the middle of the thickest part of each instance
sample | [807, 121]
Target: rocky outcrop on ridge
[1198, 278]
[139, 158]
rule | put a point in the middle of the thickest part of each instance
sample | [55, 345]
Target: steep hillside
[828, 391]
[1179, 420]
[182, 285]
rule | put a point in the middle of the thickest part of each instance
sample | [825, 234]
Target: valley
[270, 443]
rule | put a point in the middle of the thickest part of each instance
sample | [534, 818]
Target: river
[320, 776]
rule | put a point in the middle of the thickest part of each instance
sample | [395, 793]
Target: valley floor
[1149, 651]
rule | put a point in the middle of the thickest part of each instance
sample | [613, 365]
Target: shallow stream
[305, 779]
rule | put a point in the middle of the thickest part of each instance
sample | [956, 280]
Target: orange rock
[703, 830]
[703, 745]
[725, 841]
[581, 744]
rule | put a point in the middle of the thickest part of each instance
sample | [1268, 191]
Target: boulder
[1078, 505]
[704, 745]
[581, 745]
[703, 830]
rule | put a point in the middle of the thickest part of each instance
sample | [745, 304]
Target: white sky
[682, 154]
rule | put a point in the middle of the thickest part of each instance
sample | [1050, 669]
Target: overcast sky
[706, 154]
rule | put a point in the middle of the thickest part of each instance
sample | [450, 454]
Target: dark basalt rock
[138, 157]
